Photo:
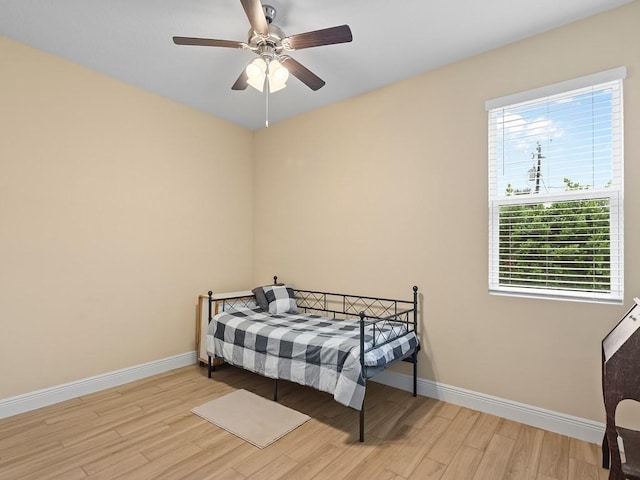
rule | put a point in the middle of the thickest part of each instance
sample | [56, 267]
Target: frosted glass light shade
[277, 77]
[256, 68]
[256, 71]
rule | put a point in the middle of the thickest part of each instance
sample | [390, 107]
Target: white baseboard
[48, 396]
[569, 425]
[575, 427]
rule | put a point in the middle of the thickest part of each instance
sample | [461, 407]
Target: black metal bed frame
[376, 312]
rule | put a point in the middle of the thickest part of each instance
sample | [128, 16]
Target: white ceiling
[131, 40]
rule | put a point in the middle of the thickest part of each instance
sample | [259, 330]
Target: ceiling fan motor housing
[272, 42]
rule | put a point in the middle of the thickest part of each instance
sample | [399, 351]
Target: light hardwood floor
[145, 430]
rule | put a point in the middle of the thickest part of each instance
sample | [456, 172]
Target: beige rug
[253, 418]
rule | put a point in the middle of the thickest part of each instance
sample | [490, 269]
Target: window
[555, 190]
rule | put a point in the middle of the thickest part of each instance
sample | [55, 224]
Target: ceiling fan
[270, 43]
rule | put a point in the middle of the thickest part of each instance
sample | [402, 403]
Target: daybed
[330, 341]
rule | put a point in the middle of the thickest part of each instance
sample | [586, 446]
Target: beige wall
[109, 209]
[110, 215]
[389, 189]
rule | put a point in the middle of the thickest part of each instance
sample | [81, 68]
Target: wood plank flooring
[145, 430]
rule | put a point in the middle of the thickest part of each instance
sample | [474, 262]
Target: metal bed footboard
[374, 312]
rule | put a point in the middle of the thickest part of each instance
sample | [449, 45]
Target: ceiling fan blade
[302, 73]
[255, 14]
[317, 38]
[241, 82]
[208, 42]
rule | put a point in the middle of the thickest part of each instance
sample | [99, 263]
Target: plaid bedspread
[307, 349]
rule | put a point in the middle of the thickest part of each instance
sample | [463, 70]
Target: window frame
[614, 194]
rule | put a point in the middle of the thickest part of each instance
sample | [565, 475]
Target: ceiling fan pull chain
[266, 98]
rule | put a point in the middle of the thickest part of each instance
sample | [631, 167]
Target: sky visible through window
[572, 132]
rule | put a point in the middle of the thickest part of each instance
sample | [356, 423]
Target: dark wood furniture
[620, 381]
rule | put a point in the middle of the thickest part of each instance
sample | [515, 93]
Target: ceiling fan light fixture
[256, 69]
[277, 72]
[256, 72]
[278, 76]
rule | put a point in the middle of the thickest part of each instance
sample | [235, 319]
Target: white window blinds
[555, 190]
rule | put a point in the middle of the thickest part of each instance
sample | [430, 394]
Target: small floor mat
[253, 418]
